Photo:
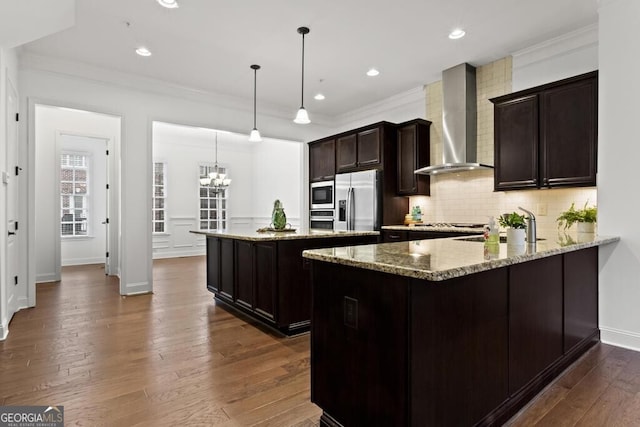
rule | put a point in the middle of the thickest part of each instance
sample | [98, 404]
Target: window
[74, 194]
[159, 197]
[213, 205]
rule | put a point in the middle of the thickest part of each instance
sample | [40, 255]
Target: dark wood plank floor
[175, 358]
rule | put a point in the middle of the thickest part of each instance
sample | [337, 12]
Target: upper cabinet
[413, 153]
[359, 150]
[322, 160]
[547, 136]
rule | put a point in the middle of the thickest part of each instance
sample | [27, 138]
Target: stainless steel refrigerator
[358, 200]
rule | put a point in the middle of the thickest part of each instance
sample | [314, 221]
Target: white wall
[138, 110]
[565, 56]
[618, 153]
[260, 173]
[49, 121]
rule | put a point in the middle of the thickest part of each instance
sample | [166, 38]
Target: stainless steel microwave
[322, 194]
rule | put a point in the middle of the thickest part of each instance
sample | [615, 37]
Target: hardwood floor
[175, 358]
[171, 358]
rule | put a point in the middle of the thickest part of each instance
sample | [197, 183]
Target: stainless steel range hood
[459, 119]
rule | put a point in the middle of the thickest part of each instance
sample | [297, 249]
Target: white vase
[586, 227]
[515, 236]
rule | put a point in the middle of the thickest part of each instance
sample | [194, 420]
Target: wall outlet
[541, 209]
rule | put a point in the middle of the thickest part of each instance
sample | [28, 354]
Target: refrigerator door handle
[351, 210]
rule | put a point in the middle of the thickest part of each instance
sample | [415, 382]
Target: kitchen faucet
[531, 225]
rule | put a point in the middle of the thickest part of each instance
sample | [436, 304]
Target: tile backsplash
[469, 196]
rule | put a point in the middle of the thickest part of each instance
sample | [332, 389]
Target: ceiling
[209, 45]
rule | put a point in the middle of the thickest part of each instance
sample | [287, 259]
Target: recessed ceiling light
[458, 33]
[319, 97]
[372, 72]
[143, 51]
[169, 4]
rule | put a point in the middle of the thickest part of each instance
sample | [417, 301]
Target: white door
[83, 199]
[14, 283]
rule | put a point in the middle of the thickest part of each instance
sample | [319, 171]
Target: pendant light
[302, 117]
[255, 134]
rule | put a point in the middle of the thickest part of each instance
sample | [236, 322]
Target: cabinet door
[346, 153]
[580, 296]
[244, 273]
[569, 116]
[516, 143]
[369, 147]
[413, 153]
[265, 279]
[226, 269]
[535, 318]
[213, 264]
[322, 160]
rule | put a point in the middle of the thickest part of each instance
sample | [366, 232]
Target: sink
[503, 239]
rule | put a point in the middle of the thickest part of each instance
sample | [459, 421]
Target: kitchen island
[263, 274]
[447, 331]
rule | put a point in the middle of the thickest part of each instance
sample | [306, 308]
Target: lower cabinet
[268, 280]
[472, 350]
[389, 236]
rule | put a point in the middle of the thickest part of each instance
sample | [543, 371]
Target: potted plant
[515, 225]
[585, 218]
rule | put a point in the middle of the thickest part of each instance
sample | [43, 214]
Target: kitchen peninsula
[446, 331]
[263, 274]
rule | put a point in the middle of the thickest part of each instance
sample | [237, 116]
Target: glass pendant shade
[255, 136]
[302, 118]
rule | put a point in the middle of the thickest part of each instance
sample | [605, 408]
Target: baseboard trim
[82, 261]
[4, 331]
[199, 252]
[46, 278]
[139, 288]
[620, 338]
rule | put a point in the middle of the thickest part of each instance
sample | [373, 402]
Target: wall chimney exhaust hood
[459, 120]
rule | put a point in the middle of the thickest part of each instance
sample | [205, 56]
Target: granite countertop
[300, 233]
[465, 230]
[442, 259]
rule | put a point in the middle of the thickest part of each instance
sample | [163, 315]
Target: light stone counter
[301, 233]
[442, 259]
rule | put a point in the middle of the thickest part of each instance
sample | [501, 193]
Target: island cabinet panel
[265, 264]
[580, 296]
[227, 283]
[359, 335]
[389, 236]
[213, 267]
[459, 348]
[535, 319]
[243, 267]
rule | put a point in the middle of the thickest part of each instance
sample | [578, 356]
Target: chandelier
[216, 181]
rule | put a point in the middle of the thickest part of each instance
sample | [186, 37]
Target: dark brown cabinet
[413, 153]
[470, 350]
[535, 319]
[322, 160]
[547, 136]
[365, 148]
[389, 236]
[361, 149]
[268, 280]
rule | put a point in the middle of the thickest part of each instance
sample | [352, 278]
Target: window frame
[87, 197]
[154, 198]
[222, 201]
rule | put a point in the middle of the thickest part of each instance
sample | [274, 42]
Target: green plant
[573, 215]
[512, 220]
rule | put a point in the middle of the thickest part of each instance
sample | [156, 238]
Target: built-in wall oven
[321, 219]
[322, 194]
